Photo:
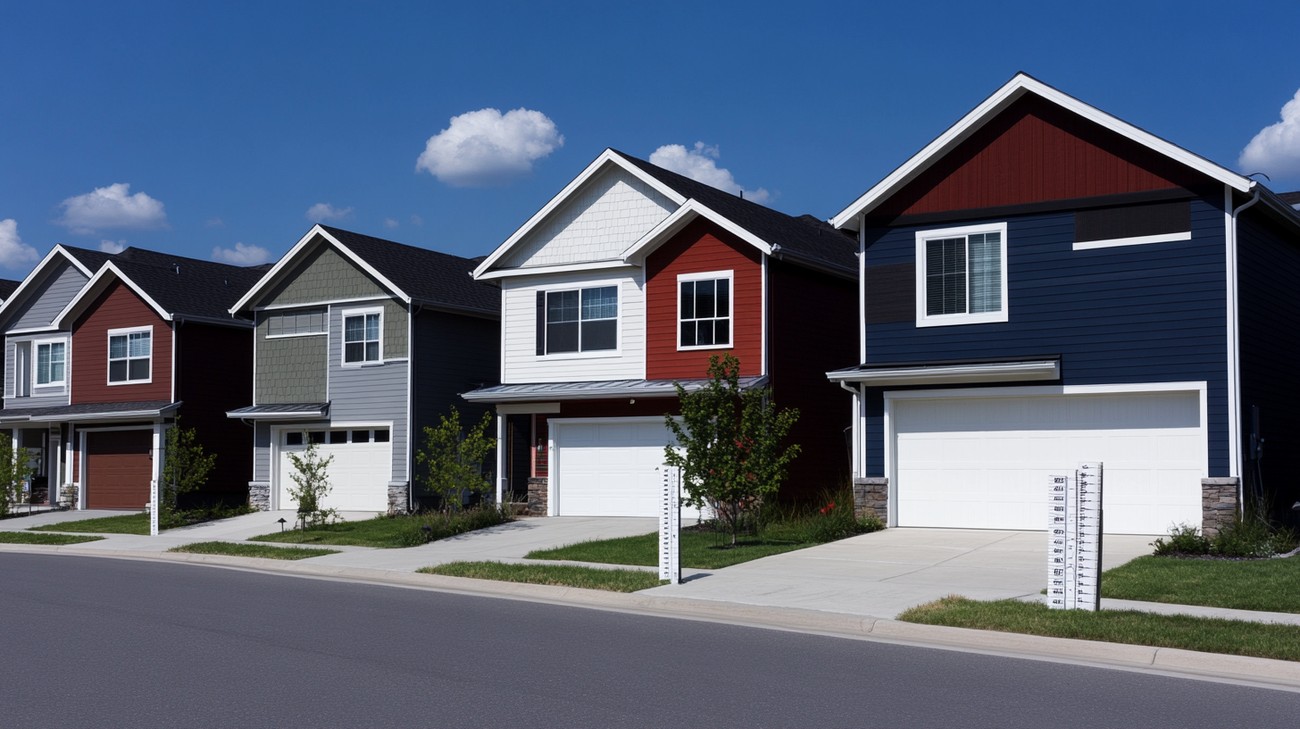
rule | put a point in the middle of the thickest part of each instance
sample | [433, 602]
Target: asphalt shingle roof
[805, 237]
[7, 288]
[430, 277]
[188, 286]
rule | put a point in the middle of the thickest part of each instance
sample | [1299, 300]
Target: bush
[15, 469]
[312, 484]
[442, 524]
[454, 456]
[1184, 540]
[835, 519]
[1243, 539]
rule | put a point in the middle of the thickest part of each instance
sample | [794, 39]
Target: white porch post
[501, 458]
[155, 480]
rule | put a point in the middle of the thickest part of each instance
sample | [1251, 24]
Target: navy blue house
[1044, 285]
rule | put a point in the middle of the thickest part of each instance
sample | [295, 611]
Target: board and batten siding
[371, 393]
[1130, 314]
[522, 364]
[40, 397]
[48, 299]
[600, 221]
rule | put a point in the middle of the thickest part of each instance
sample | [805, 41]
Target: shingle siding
[323, 275]
[289, 369]
[1133, 314]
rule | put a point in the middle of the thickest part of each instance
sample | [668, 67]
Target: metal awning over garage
[97, 412]
[599, 390]
[282, 411]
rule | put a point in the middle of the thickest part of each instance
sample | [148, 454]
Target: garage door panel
[358, 475]
[119, 468]
[608, 468]
[983, 462]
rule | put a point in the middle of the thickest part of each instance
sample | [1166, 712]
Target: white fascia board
[544, 270]
[1017, 87]
[97, 284]
[287, 259]
[673, 224]
[607, 157]
[27, 282]
[951, 374]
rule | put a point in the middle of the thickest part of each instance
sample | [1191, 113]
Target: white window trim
[36, 345]
[343, 336]
[1137, 240]
[939, 320]
[617, 351]
[108, 373]
[730, 276]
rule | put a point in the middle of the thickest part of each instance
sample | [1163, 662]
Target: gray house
[361, 342]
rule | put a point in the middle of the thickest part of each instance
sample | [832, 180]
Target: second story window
[362, 331]
[51, 363]
[961, 275]
[130, 355]
[580, 320]
[704, 310]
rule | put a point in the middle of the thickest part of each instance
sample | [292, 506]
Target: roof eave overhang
[279, 415]
[552, 393]
[97, 285]
[501, 273]
[670, 226]
[950, 374]
[20, 293]
[850, 218]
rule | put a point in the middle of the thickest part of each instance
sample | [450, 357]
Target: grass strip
[699, 549]
[591, 578]
[123, 524]
[238, 549]
[1211, 635]
[392, 532]
[1264, 584]
[30, 538]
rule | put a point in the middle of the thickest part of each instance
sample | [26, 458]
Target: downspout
[1234, 346]
[858, 469]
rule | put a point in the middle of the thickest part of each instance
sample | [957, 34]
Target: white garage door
[359, 473]
[984, 462]
[607, 467]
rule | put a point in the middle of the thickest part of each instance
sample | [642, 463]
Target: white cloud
[700, 164]
[390, 223]
[112, 246]
[241, 255]
[416, 220]
[324, 213]
[1275, 151]
[486, 147]
[111, 207]
[13, 252]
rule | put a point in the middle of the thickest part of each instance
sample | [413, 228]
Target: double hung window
[130, 355]
[580, 320]
[704, 310]
[51, 363]
[961, 275]
[362, 337]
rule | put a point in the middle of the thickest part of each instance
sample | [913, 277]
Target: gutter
[1234, 345]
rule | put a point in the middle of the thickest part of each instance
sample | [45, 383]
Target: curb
[1266, 672]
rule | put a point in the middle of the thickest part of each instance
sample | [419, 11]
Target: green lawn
[1264, 584]
[244, 549]
[378, 532]
[592, 578]
[700, 550]
[1115, 626]
[123, 524]
[29, 538]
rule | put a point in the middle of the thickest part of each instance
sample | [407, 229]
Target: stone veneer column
[259, 495]
[871, 496]
[398, 497]
[1219, 505]
[536, 497]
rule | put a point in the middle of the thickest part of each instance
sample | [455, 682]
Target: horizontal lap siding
[1133, 314]
[118, 308]
[699, 248]
[46, 300]
[1269, 266]
[370, 394]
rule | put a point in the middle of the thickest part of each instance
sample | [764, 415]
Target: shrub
[1183, 540]
[1248, 538]
[185, 467]
[443, 524]
[454, 458]
[15, 468]
[311, 476]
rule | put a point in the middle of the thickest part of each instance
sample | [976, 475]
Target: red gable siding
[1035, 152]
[118, 308]
[700, 247]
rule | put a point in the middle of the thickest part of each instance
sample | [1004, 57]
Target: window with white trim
[295, 323]
[961, 275]
[362, 336]
[51, 363]
[130, 355]
[578, 320]
[704, 310]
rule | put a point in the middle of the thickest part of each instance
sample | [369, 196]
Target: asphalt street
[116, 643]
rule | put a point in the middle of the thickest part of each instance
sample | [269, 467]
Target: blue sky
[224, 130]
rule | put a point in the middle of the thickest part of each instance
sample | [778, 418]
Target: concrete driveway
[884, 573]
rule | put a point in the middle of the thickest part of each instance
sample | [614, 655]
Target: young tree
[15, 468]
[730, 446]
[186, 466]
[311, 474]
[453, 457]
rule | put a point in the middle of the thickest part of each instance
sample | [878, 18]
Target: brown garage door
[118, 466]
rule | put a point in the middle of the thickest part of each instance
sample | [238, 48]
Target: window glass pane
[116, 347]
[704, 306]
[945, 276]
[381, 435]
[722, 331]
[293, 439]
[985, 273]
[338, 436]
[138, 369]
[561, 306]
[601, 303]
[704, 333]
[360, 436]
[372, 351]
[354, 351]
[598, 335]
[372, 327]
[723, 301]
[139, 346]
[316, 436]
[688, 300]
[42, 364]
[688, 334]
[117, 370]
[562, 337]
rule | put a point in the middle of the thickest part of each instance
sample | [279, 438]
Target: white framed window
[961, 275]
[578, 320]
[363, 336]
[51, 363]
[704, 310]
[130, 356]
[307, 322]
